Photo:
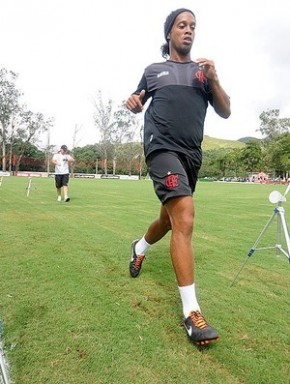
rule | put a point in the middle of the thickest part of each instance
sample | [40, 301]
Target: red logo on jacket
[200, 76]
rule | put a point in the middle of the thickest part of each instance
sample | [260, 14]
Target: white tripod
[279, 212]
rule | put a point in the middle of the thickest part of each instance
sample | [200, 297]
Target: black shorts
[61, 181]
[173, 174]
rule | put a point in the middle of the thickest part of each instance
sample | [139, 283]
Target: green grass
[72, 314]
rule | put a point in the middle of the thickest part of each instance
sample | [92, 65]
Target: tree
[281, 156]
[124, 130]
[234, 161]
[211, 167]
[275, 129]
[251, 156]
[223, 161]
[103, 118]
[116, 127]
[271, 125]
[9, 106]
[32, 158]
[77, 129]
[31, 125]
[87, 158]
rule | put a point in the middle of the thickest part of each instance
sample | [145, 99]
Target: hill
[210, 143]
[247, 138]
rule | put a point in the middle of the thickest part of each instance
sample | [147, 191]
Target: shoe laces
[138, 261]
[198, 319]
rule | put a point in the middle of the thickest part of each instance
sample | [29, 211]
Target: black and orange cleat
[198, 330]
[136, 261]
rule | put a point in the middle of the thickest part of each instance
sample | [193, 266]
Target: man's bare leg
[181, 213]
[58, 192]
[157, 229]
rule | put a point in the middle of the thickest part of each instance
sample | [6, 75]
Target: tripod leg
[242, 267]
[286, 234]
[254, 247]
[278, 235]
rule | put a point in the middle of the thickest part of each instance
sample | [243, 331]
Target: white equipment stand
[28, 187]
[279, 212]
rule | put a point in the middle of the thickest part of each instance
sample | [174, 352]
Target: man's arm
[221, 101]
[70, 159]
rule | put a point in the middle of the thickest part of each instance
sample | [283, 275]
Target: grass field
[72, 315]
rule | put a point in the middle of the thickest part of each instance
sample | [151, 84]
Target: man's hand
[208, 68]
[134, 103]
[221, 101]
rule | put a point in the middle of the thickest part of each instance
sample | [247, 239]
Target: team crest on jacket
[172, 181]
[200, 76]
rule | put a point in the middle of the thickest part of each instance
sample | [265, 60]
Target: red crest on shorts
[171, 181]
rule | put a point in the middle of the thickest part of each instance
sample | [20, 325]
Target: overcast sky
[64, 51]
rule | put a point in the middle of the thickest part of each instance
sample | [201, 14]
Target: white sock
[189, 300]
[142, 246]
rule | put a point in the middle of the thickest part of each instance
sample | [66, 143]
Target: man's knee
[164, 219]
[183, 221]
[166, 223]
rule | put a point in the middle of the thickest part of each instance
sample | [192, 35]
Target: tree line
[120, 150]
[270, 155]
[21, 131]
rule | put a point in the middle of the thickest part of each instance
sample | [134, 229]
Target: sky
[66, 51]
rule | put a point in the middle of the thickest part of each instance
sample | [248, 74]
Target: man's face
[182, 33]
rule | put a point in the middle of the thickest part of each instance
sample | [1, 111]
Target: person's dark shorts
[173, 174]
[61, 181]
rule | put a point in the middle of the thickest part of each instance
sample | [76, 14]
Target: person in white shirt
[61, 161]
